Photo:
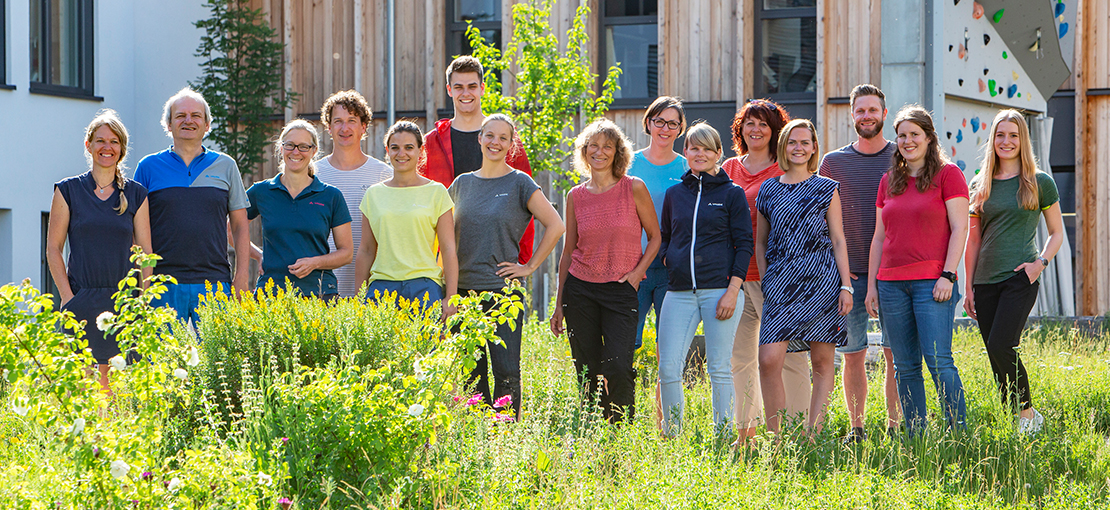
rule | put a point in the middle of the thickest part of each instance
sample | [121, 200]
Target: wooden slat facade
[1092, 158]
[849, 52]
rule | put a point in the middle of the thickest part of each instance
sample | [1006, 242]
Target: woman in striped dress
[803, 257]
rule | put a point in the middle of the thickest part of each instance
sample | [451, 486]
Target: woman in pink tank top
[602, 266]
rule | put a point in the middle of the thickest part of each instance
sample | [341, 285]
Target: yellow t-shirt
[403, 221]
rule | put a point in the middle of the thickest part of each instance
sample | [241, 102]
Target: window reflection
[635, 47]
[477, 10]
[789, 55]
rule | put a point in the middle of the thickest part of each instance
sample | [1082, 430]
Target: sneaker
[1031, 425]
[856, 435]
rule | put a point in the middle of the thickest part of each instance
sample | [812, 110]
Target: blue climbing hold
[1063, 29]
[959, 135]
[975, 124]
[1059, 9]
[1011, 91]
[960, 163]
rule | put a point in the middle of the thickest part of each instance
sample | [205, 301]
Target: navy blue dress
[100, 243]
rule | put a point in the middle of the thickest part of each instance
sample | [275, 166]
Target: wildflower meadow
[279, 402]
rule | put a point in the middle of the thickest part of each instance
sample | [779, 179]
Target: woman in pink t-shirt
[602, 266]
[920, 231]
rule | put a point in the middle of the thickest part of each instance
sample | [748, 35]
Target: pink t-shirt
[608, 233]
[917, 228]
[750, 182]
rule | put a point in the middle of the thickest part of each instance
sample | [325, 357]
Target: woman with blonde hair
[103, 214]
[920, 231]
[803, 257]
[1008, 198]
[298, 213]
[707, 243]
[602, 267]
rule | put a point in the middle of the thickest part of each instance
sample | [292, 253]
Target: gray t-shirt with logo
[490, 218]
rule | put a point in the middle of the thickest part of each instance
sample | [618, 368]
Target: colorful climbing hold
[959, 135]
[1019, 94]
[949, 135]
[986, 39]
[1005, 55]
[982, 86]
[1063, 30]
[1011, 91]
[976, 10]
[1014, 74]
[963, 52]
[985, 71]
[993, 88]
[960, 163]
[953, 152]
[961, 81]
[965, 123]
[974, 124]
[998, 15]
[1059, 9]
[950, 47]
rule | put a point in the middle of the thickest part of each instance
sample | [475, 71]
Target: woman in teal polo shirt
[298, 213]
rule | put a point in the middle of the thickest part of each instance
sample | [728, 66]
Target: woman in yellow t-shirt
[401, 219]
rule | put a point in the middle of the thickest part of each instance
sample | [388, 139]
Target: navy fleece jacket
[706, 229]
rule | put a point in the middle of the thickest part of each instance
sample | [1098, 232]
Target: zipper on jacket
[694, 237]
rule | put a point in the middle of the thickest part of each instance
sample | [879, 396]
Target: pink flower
[285, 503]
[503, 402]
[474, 399]
[456, 398]
[504, 418]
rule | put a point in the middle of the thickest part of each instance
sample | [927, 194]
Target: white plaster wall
[143, 53]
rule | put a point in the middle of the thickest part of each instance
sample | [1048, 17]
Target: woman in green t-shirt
[1008, 198]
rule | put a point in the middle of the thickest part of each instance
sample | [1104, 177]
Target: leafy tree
[241, 79]
[553, 88]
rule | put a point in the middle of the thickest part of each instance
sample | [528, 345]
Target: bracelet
[849, 289]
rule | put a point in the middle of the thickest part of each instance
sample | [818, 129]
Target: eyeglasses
[303, 147]
[661, 123]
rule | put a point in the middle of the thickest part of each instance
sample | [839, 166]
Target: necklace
[101, 189]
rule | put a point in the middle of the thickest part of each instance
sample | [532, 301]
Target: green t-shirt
[1008, 231]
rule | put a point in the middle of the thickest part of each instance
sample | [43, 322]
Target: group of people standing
[770, 256]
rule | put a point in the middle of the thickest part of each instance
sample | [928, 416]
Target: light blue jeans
[919, 327]
[682, 311]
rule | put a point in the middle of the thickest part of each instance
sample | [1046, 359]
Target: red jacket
[439, 166]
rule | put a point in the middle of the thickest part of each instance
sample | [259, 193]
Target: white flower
[180, 373]
[117, 363]
[119, 469]
[265, 479]
[21, 406]
[103, 320]
[19, 330]
[175, 483]
[418, 371]
[194, 358]
[416, 410]
[78, 427]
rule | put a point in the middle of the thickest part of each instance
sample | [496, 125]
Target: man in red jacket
[451, 149]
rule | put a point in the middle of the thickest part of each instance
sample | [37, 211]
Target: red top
[917, 229]
[608, 233]
[439, 164]
[750, 182]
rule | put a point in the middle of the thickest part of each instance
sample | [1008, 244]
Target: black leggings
[1002, 309]
[601, 326]
[504, 359]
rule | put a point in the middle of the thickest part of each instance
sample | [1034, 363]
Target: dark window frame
[762, 14]
[459, 27]
[604, 23]
[86, 54]
[4, 47]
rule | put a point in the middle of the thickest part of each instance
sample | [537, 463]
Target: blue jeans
[920, 327]
[651, 293]
[184, 298]
[426, 290]
[856, 321]
[685, 309]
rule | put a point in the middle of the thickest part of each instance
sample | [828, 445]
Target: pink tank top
[608, 233]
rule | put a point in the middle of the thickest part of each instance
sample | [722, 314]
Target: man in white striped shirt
[347, 116]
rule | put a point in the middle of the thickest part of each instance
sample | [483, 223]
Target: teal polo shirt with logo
[295, 228]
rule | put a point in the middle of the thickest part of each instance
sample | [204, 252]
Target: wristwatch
[849, 289]
[948, 275]
[1043, 260]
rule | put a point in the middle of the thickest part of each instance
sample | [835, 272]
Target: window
[4, 46]
[485, 15]
[62, 47]
[630, 37]
[786, 46]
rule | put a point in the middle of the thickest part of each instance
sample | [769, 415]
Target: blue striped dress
[801, 286]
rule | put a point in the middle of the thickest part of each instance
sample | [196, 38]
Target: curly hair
[605, 128]
[351, 101]
[763, 109]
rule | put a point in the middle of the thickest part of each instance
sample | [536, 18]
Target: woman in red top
[755, 130]
[602, 266]
[920, 231]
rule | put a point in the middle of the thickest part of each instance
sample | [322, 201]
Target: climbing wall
[977, 63]
[964, 131]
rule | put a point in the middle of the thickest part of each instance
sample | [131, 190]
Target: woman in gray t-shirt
[493, 206]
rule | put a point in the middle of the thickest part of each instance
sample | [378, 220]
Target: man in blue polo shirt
[194, 193]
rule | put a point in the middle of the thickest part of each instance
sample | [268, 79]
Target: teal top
[657, 178]
[1007, 231]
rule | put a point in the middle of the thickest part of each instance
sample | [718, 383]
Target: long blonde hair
[109, 117]
[1028, 192]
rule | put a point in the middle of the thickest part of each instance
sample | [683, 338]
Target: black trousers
[601, 326]
[504, 359]
[1002, 309]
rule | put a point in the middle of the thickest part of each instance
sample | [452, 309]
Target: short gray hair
[182, 94]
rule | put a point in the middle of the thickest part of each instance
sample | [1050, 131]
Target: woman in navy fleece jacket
[707, 244]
